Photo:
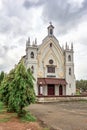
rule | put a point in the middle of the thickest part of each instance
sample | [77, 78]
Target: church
[51, 65]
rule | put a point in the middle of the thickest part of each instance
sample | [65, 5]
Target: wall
[60, 98]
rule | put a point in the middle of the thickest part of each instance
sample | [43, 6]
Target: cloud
[3, 50]
[22, 18]
[78, 37]
[64, 14]
[31, 4]
[16, 24]
[9, 56]
[14, 19]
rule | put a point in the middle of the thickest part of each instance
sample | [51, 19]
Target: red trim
[55, 81]
[50, 96]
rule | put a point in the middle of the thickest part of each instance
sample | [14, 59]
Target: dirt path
[62, 116]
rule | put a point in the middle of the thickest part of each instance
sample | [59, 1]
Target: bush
[28, 117]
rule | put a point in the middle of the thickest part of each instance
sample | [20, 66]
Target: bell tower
[69, 70]
[50, 30]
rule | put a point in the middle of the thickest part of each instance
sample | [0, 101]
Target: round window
[51, 61]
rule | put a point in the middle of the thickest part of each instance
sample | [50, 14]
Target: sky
[20, 19]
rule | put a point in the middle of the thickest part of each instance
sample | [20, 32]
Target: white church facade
[51, 65]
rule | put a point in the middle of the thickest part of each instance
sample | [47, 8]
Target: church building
[51, 65]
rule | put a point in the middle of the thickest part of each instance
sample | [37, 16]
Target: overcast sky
[20, 19]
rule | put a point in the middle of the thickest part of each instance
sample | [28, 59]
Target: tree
[2, 76]
[81, 84]
[6, 87]
[18, 89]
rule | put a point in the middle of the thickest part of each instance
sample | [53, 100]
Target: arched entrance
[60, 90]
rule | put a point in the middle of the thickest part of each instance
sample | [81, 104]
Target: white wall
[70, 79]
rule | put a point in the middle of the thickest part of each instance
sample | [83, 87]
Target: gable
[50, 49]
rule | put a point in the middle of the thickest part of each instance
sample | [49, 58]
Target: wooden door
[51, 89]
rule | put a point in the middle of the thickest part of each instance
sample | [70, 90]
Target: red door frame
[51, 89]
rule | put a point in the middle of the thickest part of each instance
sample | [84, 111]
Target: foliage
[81, 84]
[17, 89]
[4, 116]
[78, 92]
[28, 117]
[2, 74]
[6, 87]
[4, 119]
[1, 107]
[46, 129]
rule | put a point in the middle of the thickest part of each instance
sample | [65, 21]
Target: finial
[28, 42]
[50, 23]
[35, 41]
[66, 45]
[72, 45]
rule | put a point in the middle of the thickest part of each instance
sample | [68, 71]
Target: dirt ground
[15, 124]
[63, 115]
[19, 126]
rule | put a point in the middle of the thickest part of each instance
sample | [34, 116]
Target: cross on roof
[50, 23]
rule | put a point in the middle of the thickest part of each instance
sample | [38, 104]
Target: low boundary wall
[61, 98]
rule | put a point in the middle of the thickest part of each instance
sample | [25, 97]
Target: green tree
[18, 89]
[81, 84]
[2, 76]
[6, 86]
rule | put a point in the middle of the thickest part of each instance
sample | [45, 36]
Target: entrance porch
[51, 87]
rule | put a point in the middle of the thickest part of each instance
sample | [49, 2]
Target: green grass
[4, 116]
[4, 119]
[46, 129]
[1, 107]
[28, 117]
[78, 93]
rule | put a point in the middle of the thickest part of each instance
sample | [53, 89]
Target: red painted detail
[60, 90]
[51, 89]
[55, 81]
[50, 96]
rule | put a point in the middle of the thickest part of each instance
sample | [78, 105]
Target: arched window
[50, 44]
[69, 71]
[51, 31]
[32, 54]
[32, 69]
[69, 58]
